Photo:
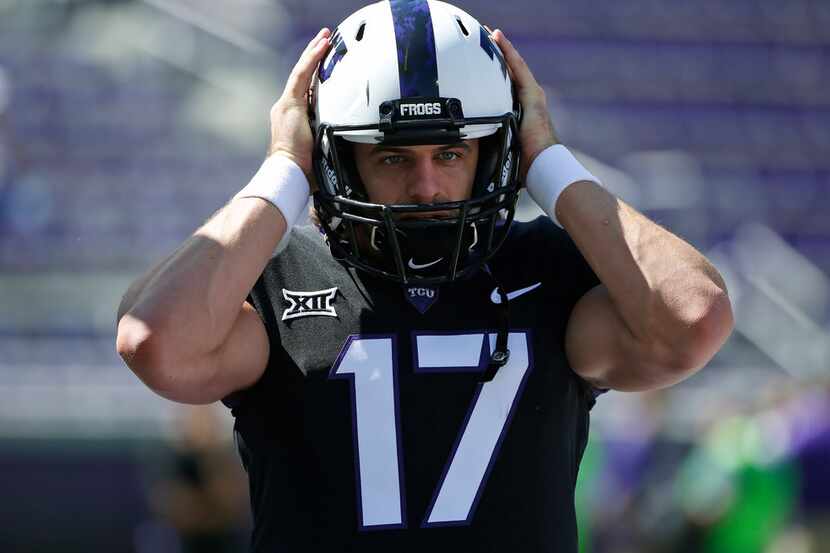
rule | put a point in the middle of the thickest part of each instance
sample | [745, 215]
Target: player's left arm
[662, 310]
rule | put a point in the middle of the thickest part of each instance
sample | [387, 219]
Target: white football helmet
[403, 73]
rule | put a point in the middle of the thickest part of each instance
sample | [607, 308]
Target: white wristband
[553, 170]
[283, 184]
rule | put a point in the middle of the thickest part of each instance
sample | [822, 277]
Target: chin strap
[501, 354]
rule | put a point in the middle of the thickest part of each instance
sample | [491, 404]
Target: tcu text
[422, 292]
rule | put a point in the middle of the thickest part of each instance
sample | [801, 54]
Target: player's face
[417, 174]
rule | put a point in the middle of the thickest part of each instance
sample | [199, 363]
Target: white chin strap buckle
[475, 237]
[372, 239]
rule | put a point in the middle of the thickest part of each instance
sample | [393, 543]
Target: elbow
[716, 328]
[138, 345]
[145, 352]
[706, 336]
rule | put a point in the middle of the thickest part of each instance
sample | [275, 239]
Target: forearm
[665, 305]
[661, 286]
[192, 298]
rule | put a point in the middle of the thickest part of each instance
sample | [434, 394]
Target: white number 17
[370, 363]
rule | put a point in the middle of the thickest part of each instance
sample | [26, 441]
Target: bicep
[244, 355]
[603, 351]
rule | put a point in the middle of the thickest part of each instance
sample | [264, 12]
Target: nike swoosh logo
[413, 265]
[496, 298]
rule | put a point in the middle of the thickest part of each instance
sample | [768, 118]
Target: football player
[416, 372]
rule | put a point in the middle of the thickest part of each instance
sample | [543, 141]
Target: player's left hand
[537, 132]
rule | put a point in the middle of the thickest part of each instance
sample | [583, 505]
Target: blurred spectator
[202, 493]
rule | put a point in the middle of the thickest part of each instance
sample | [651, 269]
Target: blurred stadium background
[124, 124]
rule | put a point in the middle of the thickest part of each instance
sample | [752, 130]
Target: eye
[391, 160]
[449, 155]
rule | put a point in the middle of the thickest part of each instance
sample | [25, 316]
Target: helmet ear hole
[353, 184]
[359, 36]
[488, 159]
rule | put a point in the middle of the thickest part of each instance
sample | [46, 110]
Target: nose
[423, 184]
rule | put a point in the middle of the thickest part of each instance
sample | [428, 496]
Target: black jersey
[371, 429]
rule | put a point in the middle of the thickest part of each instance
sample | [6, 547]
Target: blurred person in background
[201, 491]
[372, 411]
[751, 479]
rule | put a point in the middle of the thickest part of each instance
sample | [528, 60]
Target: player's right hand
[290, 129]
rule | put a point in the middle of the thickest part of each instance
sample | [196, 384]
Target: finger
[490, 31]
[521, 72]
[322, 33]
[300, 77]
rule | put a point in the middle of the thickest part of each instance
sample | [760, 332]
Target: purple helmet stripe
[417, 64]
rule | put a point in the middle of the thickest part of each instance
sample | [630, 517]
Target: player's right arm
[184, 327]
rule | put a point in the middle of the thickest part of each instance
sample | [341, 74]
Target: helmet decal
[506, 169]
[492, 50]
[417, 65]
[338, 50]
